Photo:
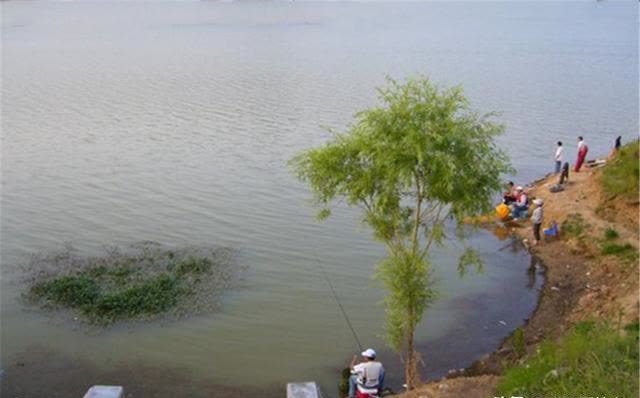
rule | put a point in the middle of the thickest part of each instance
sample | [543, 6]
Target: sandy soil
[479, 386]
[580, 283]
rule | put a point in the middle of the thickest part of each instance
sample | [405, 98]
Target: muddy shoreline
[579, 284]
[559, 295]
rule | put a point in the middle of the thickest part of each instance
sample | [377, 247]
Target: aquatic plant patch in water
[146, 281]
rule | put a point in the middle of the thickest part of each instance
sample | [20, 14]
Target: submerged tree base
[146, 281]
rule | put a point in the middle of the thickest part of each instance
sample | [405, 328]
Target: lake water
[173, 122]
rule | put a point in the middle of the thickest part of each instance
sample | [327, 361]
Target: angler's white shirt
[580, 144]
[559, 154]
[368, 373]
[522, 200]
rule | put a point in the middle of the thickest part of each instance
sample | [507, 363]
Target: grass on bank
[625, 251]
[611, 234]
[621, 176]
[594, 359]
[574, 226]
[125, 286]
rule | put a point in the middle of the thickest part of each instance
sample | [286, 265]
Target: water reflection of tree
[501, 232]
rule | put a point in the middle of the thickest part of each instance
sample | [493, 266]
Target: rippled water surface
[173, 122]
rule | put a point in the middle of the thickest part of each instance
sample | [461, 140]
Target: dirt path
[581, 282]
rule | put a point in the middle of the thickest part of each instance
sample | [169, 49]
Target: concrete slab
[305, 389]
[105, 392]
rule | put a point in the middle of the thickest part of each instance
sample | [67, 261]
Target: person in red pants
[582, 153]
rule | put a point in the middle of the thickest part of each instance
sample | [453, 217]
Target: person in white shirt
[536, 219]
[559, 157]
[366, 376]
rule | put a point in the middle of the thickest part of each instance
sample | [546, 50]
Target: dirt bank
[581, 282]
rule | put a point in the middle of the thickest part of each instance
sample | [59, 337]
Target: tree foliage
[417, 159]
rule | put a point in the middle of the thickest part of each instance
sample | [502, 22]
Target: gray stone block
[105, 392]
[307, 389]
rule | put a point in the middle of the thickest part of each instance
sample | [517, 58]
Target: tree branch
[435, 222]
[416, 225]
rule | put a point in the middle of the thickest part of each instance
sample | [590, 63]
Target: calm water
[173, 122]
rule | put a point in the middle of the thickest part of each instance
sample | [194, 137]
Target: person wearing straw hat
[536, 219]
[367, 376]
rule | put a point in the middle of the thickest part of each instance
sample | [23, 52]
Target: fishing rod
[335, 296]
[386, 390]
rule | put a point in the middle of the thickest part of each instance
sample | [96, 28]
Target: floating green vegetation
[593, 360]
[146, 282]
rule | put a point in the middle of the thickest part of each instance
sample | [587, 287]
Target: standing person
[366, 376]
[564, 177]
[616, 147]
[582, 153]
[559, 157]
[536, 219]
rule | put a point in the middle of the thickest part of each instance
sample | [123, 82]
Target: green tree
[411, 163]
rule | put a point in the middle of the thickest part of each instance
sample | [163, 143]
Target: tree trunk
[410, 369]
[411, 365]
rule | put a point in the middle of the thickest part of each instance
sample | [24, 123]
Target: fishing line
[335, 296]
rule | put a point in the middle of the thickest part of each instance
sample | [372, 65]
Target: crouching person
[367, 377]
[521, 206]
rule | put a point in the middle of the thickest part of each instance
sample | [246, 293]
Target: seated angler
[509, 196]
[521, 206]
[367, 377]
